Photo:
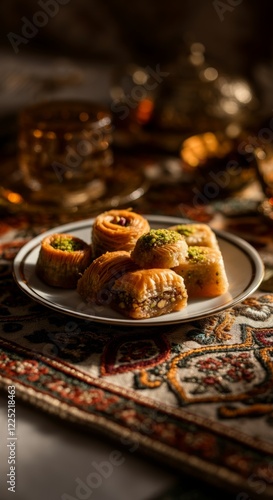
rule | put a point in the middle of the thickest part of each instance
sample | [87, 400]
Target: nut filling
[120, 221]
[155, 305]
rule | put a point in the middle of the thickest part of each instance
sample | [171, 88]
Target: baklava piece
[160, 248]
[97, 280]
[148, 293]
[117, 230]
[203, 272]
[62, 259]
[197, 234]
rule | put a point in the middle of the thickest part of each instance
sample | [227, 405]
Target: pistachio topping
[66, 244]
[196, 254]
[185, 230]
[159, 237]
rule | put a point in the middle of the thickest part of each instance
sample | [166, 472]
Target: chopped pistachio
[66, 244]
[196, 254]
[159, 237]
[185, 229]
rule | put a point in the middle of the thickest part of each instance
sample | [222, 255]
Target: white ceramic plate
[243, 265]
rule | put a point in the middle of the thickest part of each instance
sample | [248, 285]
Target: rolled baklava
[161, 248]
[97, 280]
[62, 259]
[117, 230]
[147, 293]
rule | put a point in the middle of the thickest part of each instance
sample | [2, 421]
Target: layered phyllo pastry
[161, 248]
[62, 259]
[203, 272]
[146, 293]
[117, 230]
[197, 234]
[97, 280]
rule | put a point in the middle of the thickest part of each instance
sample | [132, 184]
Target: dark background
[237, 36]
[237, 33]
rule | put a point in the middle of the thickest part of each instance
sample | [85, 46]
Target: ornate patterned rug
[197, 395]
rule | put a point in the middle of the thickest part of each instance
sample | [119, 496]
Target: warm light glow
[229, 106]
[84, 117]
[140, 77]
[233, 130]
[144, 110]
[242, 92]
[196, 59]
[225, 87]
[37, 133]
[237, 90]
[117, 93]
[51, 135]
[249, 148]
[189, 157]
[260, 153]
[197, 47]
[210, 74]
[197, 149]
[211, 142]
[14, 197]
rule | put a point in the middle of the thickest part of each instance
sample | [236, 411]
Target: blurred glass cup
[264, 165]
[64, 151]
[217, 163]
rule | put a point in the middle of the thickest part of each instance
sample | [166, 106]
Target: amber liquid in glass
[64, 150]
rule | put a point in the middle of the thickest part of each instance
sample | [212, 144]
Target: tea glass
[64, 151]
[264, 166]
